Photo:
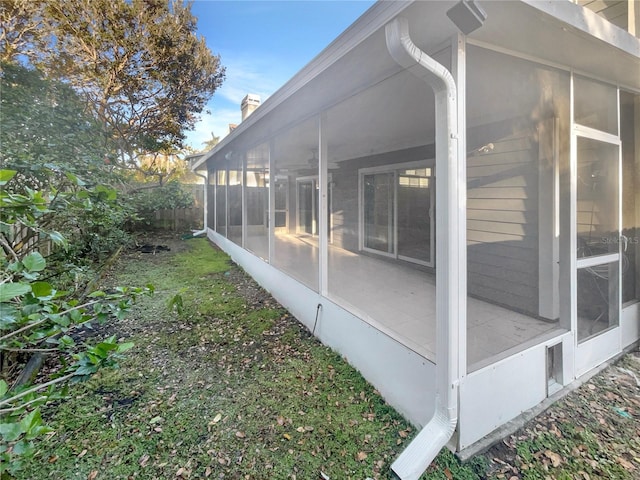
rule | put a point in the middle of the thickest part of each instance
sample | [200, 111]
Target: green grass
[226, 389]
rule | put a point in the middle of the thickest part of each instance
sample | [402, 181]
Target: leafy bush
[145, 202]
[60, 158]
[170, 195]
[35, 317]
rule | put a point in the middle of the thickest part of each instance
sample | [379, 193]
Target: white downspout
[195, 233]
[419, 454]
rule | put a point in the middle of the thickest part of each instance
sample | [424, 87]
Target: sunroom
[453, 209]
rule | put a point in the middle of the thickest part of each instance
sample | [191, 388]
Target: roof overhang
[565, 34]
[558, 33]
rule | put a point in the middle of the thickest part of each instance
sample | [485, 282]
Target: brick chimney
[249, 104]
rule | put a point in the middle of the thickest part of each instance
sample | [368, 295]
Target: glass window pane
[295, 157]
[281, 201]
[307, 206]
[257, 198]
[221, 201]
[595, 105]
[598, 293]
[597, 198]
[414, 215]
[378, 204]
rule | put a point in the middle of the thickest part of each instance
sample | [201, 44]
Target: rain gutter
[450, 234]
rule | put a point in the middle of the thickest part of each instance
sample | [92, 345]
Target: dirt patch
[246, 286]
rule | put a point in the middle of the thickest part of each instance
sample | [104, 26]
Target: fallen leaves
[627, 465]
[300, 403]
[592, 433]
[556, 459]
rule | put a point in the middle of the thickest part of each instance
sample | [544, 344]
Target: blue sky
[262, 44]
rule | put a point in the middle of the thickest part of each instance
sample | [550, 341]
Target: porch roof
[559, 33]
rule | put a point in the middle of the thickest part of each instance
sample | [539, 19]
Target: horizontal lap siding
[502, 224]
[344, 209]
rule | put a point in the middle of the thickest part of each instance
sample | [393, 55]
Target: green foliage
[170, 195]
[47, 137]
[143, 70]
[54, 177]
[34, 316]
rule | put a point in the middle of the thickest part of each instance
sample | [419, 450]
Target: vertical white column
[459, 71]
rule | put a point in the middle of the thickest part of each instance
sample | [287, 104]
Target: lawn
[222, 383]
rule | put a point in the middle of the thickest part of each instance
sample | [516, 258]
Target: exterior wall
[496, 394]
[502, 223]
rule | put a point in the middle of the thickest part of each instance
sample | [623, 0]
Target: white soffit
[563, 33]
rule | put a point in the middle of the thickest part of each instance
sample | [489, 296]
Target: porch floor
[399, 299]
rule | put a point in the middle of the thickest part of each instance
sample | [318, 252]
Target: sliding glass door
[397, 212]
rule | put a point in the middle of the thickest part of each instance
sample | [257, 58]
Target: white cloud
[243, 76]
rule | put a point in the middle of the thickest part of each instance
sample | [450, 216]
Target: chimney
[249, 104]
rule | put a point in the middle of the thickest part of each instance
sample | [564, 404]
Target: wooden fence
[176, 219]
[179, 219]
[24, 240]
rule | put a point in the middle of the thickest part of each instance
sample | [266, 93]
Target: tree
[44, 122]
[143, 70]
[58, 155]
[212, 142]
[21, 28]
